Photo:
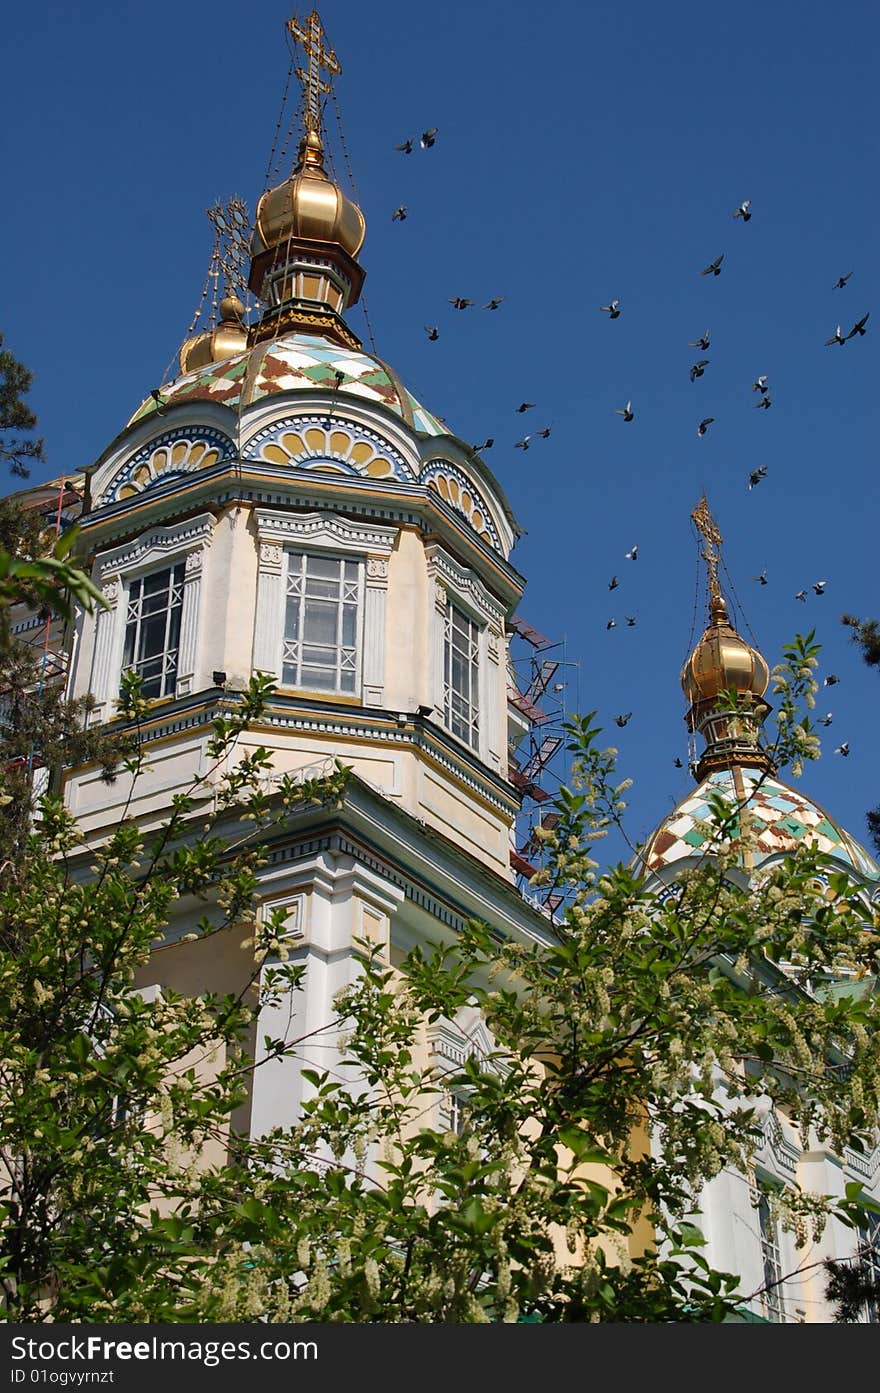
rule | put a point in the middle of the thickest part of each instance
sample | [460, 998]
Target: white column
[269, 625]
[104, 658]
[491, 696]
[189, 623]
[375, 606]
[438, 625]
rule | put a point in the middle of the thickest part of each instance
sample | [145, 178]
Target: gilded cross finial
[708, 529]
[311, 38]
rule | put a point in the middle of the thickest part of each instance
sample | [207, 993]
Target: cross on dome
[310, 36]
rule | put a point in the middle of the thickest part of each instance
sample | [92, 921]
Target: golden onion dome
[310, 206]
[228, 337]
[723, 660]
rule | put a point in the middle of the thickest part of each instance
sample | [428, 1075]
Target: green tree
[18, 444]
[853, 1288]
[103, 1120]
[39, 727]
[649, 1011]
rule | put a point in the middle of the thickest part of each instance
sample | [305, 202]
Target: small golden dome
[227, 338]
[231, 310]
[723, 660]
[308, 205]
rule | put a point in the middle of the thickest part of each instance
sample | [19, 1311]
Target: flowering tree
[622, 1071]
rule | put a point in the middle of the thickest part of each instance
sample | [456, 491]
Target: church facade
[285, 506]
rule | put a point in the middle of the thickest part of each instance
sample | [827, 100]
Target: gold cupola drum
[723, 662]
[307, 232]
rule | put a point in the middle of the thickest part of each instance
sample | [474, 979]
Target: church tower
[735, 762]
[724, 681]
[285, 506]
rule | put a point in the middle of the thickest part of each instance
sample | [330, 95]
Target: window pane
[323, 566]
[322, 589]
[320, 622]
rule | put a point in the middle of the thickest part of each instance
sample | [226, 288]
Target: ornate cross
[310, 36]
[708, 528]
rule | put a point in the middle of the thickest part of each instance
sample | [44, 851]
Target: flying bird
[494, 302]
[545, 433]
[525, 406]
[702, 342]
[802, 596]
[699, 368]
[428, 138]
[837, 337]
[432, 331]
[622, 720]
[406, 147]
[841, 281]
[612, 310]
[761, 579]
[625, 411]
[760, 383]
[714, 267]
[859, 327]
[743, 210]
[757, 475]
[826, 719]
[843, 749]
[399, 214]
[486, 445]
[630, 621]
[830, 681]
[819, 586]
[523, 444]
[764, 403]
[460, 303]
[613, 583]
[677, 762]
[633, 555]
[612, 624]
[705, 424]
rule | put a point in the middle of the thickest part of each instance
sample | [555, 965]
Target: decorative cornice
[449, 574]
[775, 1145]
[181, 537]
[323, 529]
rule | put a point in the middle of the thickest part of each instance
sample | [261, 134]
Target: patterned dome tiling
[297, 362]
[781, 818]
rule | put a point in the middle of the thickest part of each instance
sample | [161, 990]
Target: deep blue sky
[586, 151]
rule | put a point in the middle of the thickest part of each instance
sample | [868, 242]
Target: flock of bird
[764, 402]
[697, 370]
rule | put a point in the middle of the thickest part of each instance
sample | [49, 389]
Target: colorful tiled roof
[297, 362]
[781, 817]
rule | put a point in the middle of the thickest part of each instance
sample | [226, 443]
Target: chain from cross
[310, 37]
[708, 528]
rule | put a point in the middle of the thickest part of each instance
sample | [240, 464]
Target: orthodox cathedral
[285, 505]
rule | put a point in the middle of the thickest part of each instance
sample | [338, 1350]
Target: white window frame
[135, 624]
[770, 1239]
[158, 549]
[456, 586]
[462, 709]
[347, 657]
[305, 533]
[869, 1253]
